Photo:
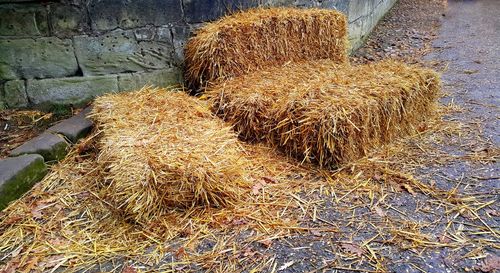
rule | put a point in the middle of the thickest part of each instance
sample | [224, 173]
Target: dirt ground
[19, 126]
[427, 203]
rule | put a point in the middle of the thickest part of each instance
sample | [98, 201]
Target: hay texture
[162, 150]
[248, 41]
[324, 112]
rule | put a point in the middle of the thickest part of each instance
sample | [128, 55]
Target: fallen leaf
[379, 211]
[471, 71]
[493, 212]
[409, 189]
[378, 177]
[36, 213]
[239, 221]
[248, 252]
[316, 232]
[269, 179]
[286, 265]
[31, 264]
[11, 267]
[51, 261]
[128, 269]
[353, 248]
[181, 252]
[12, 220]
[257, 187]
[490, 264]
[267, 243]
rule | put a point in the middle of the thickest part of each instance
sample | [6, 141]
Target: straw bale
[325, 112]
[248, 41]
[162, 150]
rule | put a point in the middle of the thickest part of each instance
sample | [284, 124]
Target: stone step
[75, 127]
[51, 147]
[18, 175]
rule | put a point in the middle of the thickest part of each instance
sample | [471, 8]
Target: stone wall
[69, 51]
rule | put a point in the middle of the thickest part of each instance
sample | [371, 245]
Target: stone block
[23, 20]
[69, 91]
[197, 11]
[68, 20]
[119, 52]
[74, 128]
[112, 14]
[145, 34]
[340, 5]
[18, 175]
[15, 94]
[358, 9]
[50, 146]
[176, 37]
[160, 78]
[36, 58]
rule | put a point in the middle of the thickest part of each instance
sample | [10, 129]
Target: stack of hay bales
[161, 150]
[281, 75]
[260, 38]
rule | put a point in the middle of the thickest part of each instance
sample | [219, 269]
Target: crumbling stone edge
[27, 164]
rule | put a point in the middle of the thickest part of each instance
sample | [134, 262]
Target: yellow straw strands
[160, 150]
[259, 38]
[324, 112]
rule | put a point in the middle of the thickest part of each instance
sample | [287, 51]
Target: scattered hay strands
[66, 223]
[248, 41]
[324, 112]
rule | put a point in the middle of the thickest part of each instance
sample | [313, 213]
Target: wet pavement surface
[467, 47]
[469, 42]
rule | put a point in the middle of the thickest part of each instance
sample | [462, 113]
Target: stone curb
[27, 163]
[51, 147]
[75, 127]
[18, 175]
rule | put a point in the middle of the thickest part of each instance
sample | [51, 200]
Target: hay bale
[162, 150]
[324, 112]
[258, 38]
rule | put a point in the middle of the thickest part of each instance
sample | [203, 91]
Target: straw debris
[248, 41]
[325, 112]
[161, 149]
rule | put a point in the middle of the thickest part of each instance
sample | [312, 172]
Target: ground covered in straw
[19, 126]
[427, 203]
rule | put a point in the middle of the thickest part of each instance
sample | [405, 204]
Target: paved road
[469, 41]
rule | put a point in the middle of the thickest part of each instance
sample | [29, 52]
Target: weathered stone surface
[119, 52]
[18, 175]
[175, 37]
[23, 20]
[197, 11]
[50, 146]
[160, 78]
[363, 17]
[67, 20]
[359, 9]
[15, 94]
[111, 14]
[65, 91]
[36, 58]
[340, 5]
[73, 128]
